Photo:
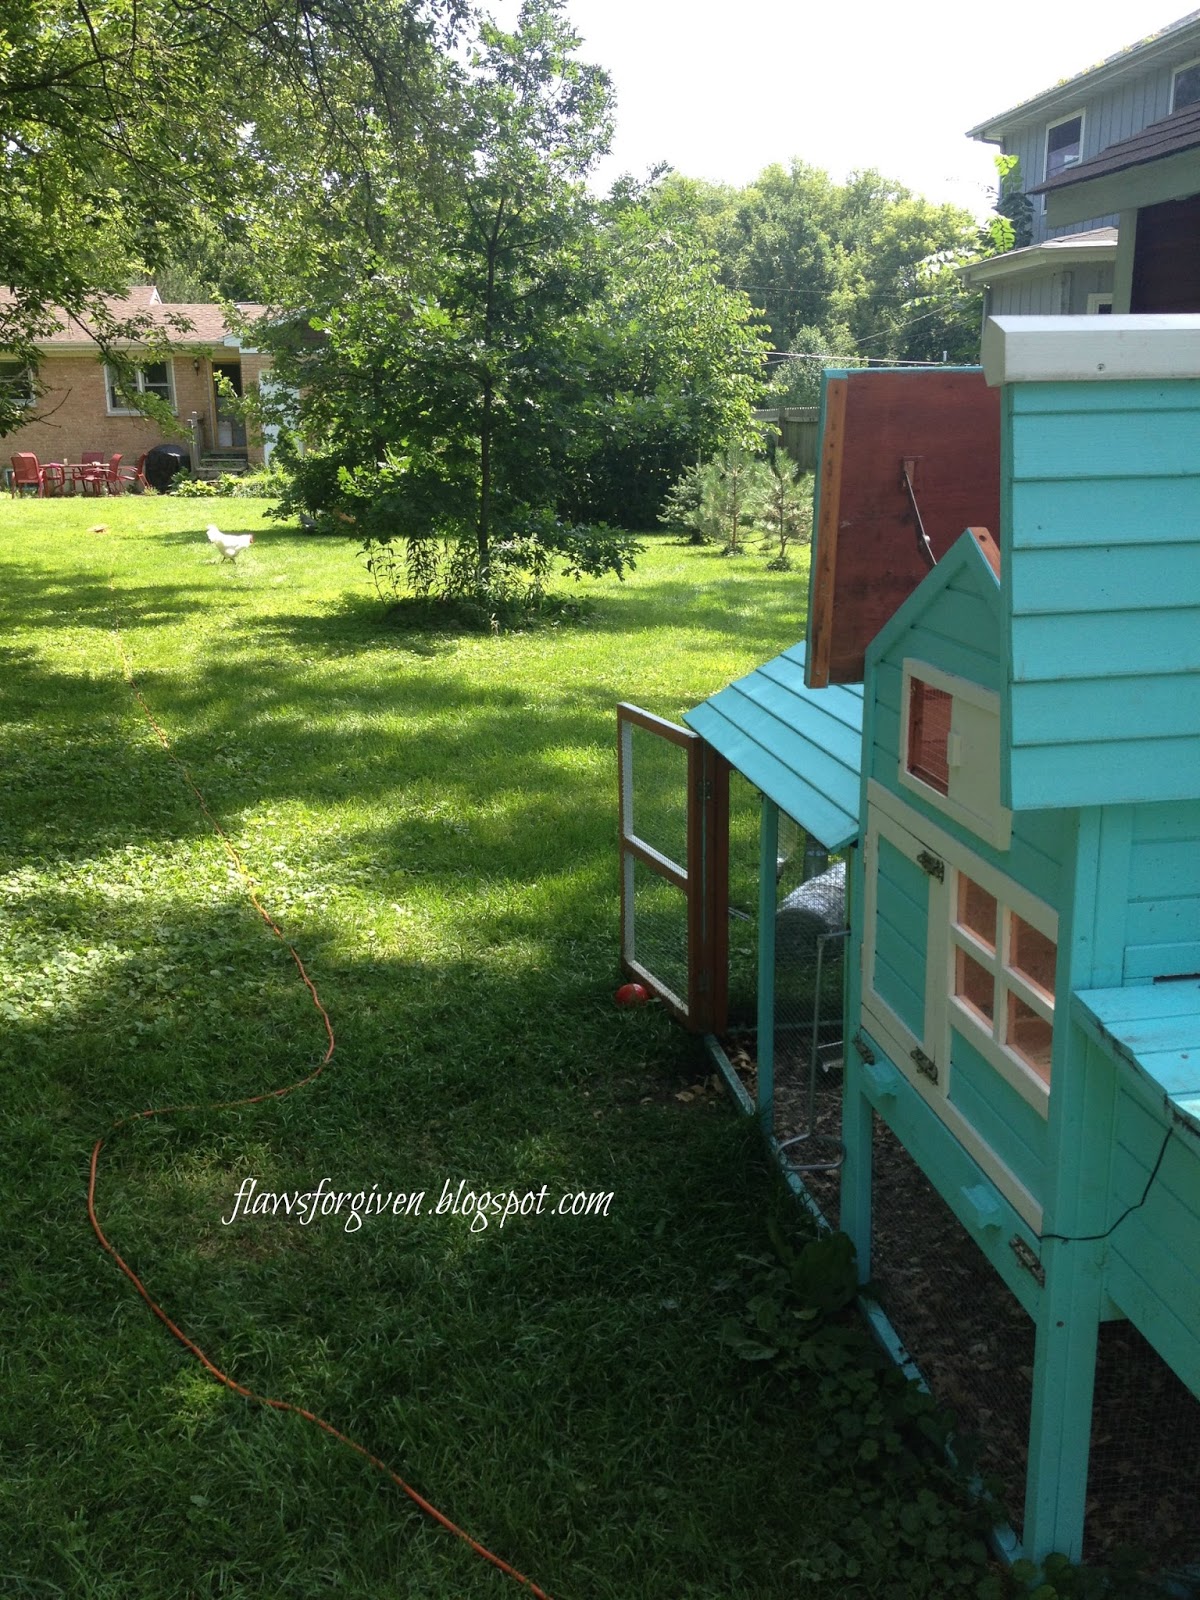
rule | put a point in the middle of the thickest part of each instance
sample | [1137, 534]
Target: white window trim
[130, 411]
[1058, 122]
[889, 818]
[1185, 66]
[1096, 302]
[994, 824]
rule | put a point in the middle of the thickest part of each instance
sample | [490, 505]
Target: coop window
[928, 734]
[1064, 144]
[124, 387]
[950, 749]
[1002, 983]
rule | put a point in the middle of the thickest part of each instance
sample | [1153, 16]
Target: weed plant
[431, 815]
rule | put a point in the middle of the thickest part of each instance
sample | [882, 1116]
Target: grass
[432, 817]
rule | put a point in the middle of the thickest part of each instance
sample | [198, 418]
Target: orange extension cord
[250, 1100]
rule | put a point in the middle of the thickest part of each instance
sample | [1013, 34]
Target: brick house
[81, 409]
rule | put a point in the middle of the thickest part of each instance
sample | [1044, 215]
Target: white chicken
[229, 544]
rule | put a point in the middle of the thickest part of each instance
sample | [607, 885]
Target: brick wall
[73, 413]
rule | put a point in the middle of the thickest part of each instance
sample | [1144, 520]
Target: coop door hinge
[864, 1049]
[933, 865]
[925, 1065]
[704, 790]
[1028, 1259]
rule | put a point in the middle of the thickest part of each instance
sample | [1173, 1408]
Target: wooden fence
[796, 429]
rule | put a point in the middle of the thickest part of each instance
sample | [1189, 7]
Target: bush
[513, 589]
[267, 484]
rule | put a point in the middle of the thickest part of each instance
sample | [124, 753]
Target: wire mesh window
[810, 948]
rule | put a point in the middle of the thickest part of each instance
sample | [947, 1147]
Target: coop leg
[1063, 1382]
[856, 1168]
[765, 1052]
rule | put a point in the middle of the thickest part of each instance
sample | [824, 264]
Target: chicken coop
[989, 746]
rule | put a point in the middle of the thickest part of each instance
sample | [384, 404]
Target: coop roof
[802, 747]
[1155, 1028]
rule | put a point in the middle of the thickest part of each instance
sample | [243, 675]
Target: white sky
[722, 90]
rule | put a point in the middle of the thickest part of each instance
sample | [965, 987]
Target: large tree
[852, 267]
[128, 126]
[548, 361]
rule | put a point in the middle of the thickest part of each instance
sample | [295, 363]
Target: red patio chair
[132, 475]
[54, 478]
[81, 475]
[99, 478]
[26, 473]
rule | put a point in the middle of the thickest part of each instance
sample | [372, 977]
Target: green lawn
[431, 816]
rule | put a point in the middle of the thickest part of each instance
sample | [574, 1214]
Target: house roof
[1168, 137]
[802, 747]
[1176, 40]
[1155, 1029]
[1053, 255]
[186, 324]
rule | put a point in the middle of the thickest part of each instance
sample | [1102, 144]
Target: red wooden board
[867, 559]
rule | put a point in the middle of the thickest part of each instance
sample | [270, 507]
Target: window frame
[990, 1040]
[1059, 122]
[983, 815]
[110, 378]
[24, 378]
[1186, 66]
[1097, 304]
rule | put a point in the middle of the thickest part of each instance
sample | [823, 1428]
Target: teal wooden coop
[1027, 994]
[1022, 995]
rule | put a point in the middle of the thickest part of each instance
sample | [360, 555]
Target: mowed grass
[431, 816]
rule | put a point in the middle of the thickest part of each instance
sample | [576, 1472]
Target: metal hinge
[864, 1049]
[925, 1065]
[704, 790]
[933, 865]
[1028, 1259]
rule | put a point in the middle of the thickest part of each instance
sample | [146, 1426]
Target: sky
[721, 91]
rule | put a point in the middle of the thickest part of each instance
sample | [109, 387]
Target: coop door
[674, 823]
[902, 972]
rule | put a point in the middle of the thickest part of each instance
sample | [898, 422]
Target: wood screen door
[674, 843]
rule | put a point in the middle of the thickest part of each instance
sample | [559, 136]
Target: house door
[674, 831]
[231, 430]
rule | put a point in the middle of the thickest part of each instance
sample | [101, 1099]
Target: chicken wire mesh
[810, 948]
[660, 923]
[974, 1345]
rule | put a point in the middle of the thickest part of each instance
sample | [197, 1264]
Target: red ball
[631, 994]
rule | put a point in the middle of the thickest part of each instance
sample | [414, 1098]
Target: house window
[950, 739]
[1185, 89]
[1099, 305]
[16, 383]
[1064, 144]
[154, 378]
[1003, 979]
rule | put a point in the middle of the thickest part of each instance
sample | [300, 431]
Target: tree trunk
[485, 477]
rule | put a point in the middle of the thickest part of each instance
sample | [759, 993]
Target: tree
[124, 121]
[674, 360]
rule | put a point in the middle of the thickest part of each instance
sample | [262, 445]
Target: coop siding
[1012, 1128]
[959, 1179]
[902, 918]
[1068, 514]
[1101, 582]
[1163, 915]
[1154, 1266]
